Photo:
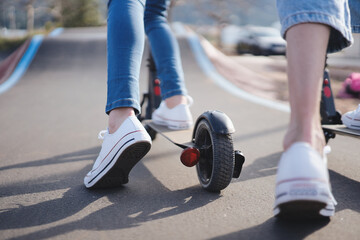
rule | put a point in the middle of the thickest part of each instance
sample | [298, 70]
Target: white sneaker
[119, 153]
[302, 184]
[352, 119]
[177, 118]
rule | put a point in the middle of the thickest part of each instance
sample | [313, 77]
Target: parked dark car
[261, 41]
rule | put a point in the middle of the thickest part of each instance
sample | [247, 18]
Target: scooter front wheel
[216, 164]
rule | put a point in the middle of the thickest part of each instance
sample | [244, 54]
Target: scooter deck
[342, 130]
[181, 138]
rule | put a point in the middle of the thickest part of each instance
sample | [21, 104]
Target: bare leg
[306, 52]
[117, 116]
[173, 101]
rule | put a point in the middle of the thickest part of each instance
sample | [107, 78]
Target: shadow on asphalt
[106, 209]
[278, 229]
[346, 192]
[64, 158]
[261, 167]
[146, 200]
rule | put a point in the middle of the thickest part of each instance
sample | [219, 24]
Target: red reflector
[326, 81]
[157, 82]
[157, 91]
[327, 92]
[190, 156]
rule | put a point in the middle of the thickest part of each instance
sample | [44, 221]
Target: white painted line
[179, 29]
[56, 32]
[23, 64]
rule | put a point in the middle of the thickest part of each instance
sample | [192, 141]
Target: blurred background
[21, 17]
[248, 31]
[35, 14]
[231, 25]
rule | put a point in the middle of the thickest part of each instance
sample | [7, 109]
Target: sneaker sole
[172, 125]
[118, 174]
[301, 210]
[302, 199]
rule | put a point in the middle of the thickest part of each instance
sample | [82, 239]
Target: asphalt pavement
[49, 123]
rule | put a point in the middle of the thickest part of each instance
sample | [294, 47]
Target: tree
[30, 15]
[80, 13]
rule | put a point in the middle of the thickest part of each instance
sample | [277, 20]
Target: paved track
[49, 123]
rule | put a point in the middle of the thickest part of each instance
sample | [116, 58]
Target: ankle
[173, 101]
[309, 133]
[117, 116]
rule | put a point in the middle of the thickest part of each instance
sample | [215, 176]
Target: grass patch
[10, 44]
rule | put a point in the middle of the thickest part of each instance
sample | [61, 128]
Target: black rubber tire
[217, 160]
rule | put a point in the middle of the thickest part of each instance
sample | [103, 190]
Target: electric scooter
[330, 117]
[210, 145]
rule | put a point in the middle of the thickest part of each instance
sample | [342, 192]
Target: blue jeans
[341, 15]
[128, 21]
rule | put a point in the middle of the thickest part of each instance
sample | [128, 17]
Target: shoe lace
[101, 134]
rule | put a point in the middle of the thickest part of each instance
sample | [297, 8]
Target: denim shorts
[343, 16]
